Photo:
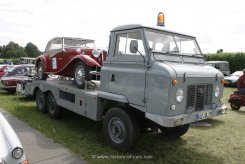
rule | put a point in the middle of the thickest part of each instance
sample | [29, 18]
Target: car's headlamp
[1, 161]
[96, 53]
[216, 91]
[17, 153]
[179, 95]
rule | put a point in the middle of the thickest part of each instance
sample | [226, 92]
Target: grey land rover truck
[152, 79]
[160, 76]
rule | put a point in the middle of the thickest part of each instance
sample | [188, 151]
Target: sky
[217, 24]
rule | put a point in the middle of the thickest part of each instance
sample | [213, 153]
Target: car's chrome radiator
[198, 96]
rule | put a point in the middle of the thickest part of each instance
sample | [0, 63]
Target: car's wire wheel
[81, 74]
[40, 72]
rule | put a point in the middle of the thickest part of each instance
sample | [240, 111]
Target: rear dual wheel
[52, 107]
[47, 104]
[41, 101]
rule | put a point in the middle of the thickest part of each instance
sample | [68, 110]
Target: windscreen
[175, 46]
[70, 42]
[170, 43]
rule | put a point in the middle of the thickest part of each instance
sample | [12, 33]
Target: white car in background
[11, 150]
[233, 78]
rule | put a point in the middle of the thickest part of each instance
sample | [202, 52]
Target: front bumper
[7, 87]
[186, 118]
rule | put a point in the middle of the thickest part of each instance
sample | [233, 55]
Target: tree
[9, 54]
[13, 50]
[20, 53]
[2, 48]
[32, 50]
[219, 51]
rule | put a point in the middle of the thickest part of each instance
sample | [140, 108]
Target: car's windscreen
[69, 42]
[172, 45]
[10, 69]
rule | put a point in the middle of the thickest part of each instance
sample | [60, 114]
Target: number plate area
[203, 115]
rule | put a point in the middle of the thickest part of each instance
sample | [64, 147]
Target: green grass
[223, 142]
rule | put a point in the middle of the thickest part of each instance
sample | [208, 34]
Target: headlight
[216, 91]
[1, 161]
[96, 53]
[179, 95]
[78, 50]
[17, 153]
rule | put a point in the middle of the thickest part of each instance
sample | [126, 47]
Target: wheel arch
[69, 68]
[44, 91]
[42, 59]
[86, 60]
[107, 104]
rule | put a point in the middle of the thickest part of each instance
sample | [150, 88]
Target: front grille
[198, 96]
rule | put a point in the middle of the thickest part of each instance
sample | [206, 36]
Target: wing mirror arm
[134, 48]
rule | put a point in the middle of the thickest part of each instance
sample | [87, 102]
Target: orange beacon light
[160, 19]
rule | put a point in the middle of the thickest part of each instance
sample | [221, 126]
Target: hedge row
[236, 60]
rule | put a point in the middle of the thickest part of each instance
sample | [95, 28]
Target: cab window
[123, 44]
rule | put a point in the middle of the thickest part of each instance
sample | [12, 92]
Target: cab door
[127, 70]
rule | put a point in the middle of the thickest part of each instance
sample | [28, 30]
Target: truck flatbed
[81, 101]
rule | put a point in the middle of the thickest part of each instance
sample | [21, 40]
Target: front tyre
[40, 71]
[81, 74]
[235, 105]
[175, 132]
[120, 129]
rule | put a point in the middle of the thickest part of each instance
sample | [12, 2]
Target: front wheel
[81, 74]
[40, 72]
[120, 129]
[175, 132]
[235, 105]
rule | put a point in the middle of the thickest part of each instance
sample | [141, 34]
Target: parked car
[4, 69]
[232, 79]
[70, 57]
[223, 66]
[16, 74]
[27, 60]
[11, 149]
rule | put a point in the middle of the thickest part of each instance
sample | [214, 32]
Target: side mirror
[133, 46]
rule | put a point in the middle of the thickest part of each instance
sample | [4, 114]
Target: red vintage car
[70, 57]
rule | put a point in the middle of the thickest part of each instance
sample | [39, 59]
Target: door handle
[113, 77]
